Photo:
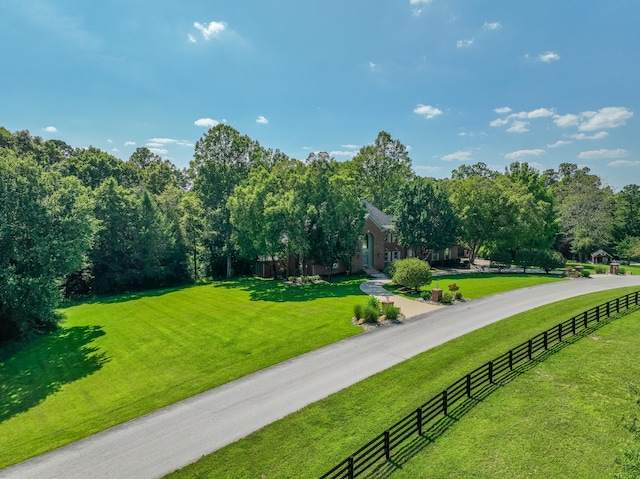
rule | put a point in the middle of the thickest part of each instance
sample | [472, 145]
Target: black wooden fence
[379, 449]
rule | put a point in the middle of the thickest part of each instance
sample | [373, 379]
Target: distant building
[601, 257]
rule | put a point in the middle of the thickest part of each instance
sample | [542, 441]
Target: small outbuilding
[601, 257]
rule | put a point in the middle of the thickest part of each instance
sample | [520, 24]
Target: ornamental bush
[372, 302]
[390, 311]
[371, 315]
[358, 311]
[549, 260]
[412, 273]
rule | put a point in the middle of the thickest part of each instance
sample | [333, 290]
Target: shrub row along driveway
[165, 440]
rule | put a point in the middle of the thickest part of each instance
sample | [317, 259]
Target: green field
[478, 285]
[566, 422]
[120, 357]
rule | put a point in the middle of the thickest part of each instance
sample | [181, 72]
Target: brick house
[377, 248]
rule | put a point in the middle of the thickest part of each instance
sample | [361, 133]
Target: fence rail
[379, 449]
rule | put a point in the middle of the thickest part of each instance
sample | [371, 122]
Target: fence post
[419, 420]
[626, 300]
[350, 471]
[637, 295]
[511, 360]
[490, 372]
[598, 313]
[530, 349]
[608, 308]
[546, 340]
[573, 325]
[617, 305]
[444, 402]
[586, 317]
[560, 332]
[468, 385]
[387, 445]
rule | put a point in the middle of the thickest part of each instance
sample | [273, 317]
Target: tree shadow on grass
[32, 370]
[129, 296]
[278, 291]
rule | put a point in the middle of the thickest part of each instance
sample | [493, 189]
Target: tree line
[78, 221]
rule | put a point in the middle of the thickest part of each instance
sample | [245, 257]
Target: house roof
[601, 252]
[381, 219]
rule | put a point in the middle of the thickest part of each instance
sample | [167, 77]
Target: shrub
[390, 311]
[621, 270]
[372, 302]
[290, 279]
[426, 295]
[358, 310]
[525, 259]
[585, 274]
[458, 295]
[412, 273]
[447, 298]
[371, 315]
[600, 269]
[390, 269]
[549, 260]
[500, 260]
[453, 287]
[315, 278]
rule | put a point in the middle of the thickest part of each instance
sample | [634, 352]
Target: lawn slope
[120, 357]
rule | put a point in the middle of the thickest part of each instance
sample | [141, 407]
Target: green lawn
[477, 285]
[120, 357]
[576, 399]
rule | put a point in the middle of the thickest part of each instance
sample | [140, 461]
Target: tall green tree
[268, 212]
[585, 209]
[424, 218]
[222, 160]
[192, 223]
[334, 216]
[46, 229]
[381, 169]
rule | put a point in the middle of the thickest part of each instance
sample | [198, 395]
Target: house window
[409, 253]
[387, 257]
[389, 238]
[396, 255]
[435, 256]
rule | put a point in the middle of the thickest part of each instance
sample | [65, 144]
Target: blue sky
[457, 81]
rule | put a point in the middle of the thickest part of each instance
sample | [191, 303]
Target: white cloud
[348, 154]
[624, 163]
[418, 6]
[458, 156]
[564, 121]
[524, 153]
[492, 26]
[372, 66]
[609, 117]
[427, 111]
[159, 151]
[129, 143]
[51, 129]
[109, 140]
[502, 110]
[307, 148]
[162, 141]
[465, 43]
[559, 143]
[213, 29]
[208, 122]
[154, 144]
[548, 57]
[115, 150]
[351, 147]
[518, 127]
[428, 169]
[262, 120]
[499, 122]
[600, 154]
[185, 143]
[191, 38]
[597, 136]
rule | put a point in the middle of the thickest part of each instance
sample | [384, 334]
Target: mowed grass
[586, 401]
[120, 357]
[478, 285]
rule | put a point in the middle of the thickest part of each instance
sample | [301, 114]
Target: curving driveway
[170, 438]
